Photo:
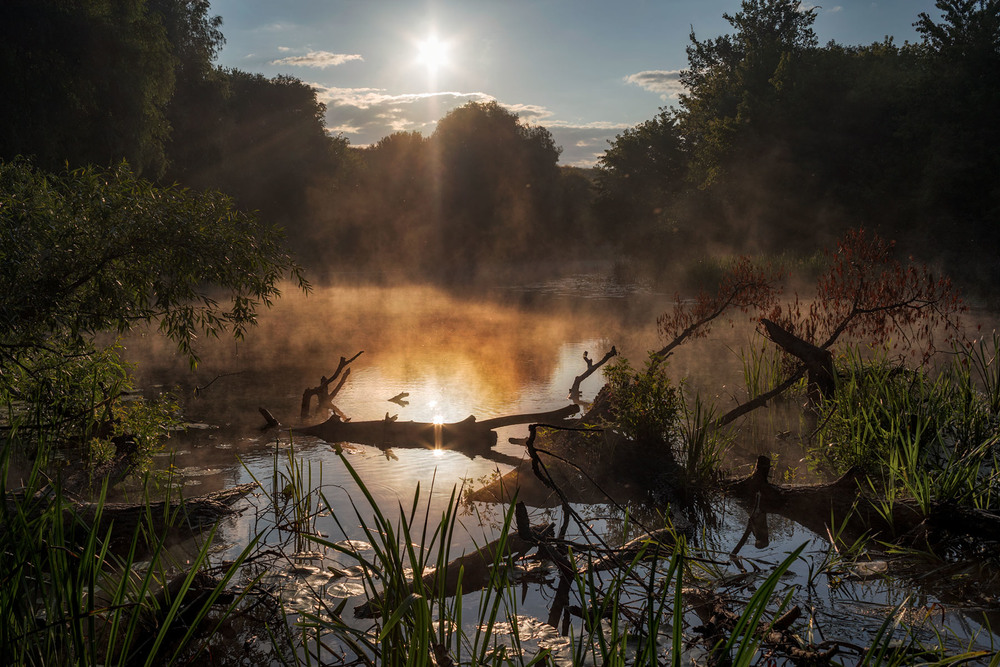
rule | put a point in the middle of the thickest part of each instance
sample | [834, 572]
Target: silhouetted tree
[496, 181]
[956, 126]
[639, 179]
[734, 82]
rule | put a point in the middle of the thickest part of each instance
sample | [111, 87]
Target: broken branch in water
[574, 392]
[322, 392]
[271, 421]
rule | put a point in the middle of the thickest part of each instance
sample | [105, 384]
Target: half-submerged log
[472, 569]
[847, 504]
[469, 436]
[123, 519]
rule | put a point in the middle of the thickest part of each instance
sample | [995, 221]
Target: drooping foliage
[93, 250]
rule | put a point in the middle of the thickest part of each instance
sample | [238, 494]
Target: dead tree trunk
[322, 392]
[818, 362]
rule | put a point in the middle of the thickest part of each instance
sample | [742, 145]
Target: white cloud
[529, 113]
[284, 49]
[583, 143]
[366, 115]
[321, 59]
[666, 82]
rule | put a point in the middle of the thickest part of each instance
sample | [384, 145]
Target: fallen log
[469, 436]
[815, 506]
[123, 519]
[472, 570]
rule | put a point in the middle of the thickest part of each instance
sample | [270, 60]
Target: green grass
[929, 437]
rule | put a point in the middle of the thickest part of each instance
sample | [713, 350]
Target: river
[503, 351]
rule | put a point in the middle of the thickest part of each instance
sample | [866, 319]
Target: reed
[928, 437]
[72, 595]
[624, 611]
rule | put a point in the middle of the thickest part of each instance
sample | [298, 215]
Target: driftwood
[322, 391]
[469, 436]
[122, 519]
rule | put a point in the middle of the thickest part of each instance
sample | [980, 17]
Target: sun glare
[432, 53]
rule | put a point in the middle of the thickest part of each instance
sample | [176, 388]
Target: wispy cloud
[366, 115]
[321, 59]
[529, 113]
[665, 82]
[584, 143]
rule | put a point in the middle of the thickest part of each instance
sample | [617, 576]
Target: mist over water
[498, 352]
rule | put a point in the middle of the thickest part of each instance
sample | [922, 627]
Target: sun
[433, 53]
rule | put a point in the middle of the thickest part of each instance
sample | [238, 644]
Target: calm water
[507, 351]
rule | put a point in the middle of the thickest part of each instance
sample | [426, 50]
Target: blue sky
[586, 70]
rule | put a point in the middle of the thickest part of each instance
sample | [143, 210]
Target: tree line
[777, 144]
[781, 144]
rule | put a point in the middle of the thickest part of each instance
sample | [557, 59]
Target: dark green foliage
[261, 141]
[786, 144]
[87, 81]
[647, 408]
[97, 250]
[94, 250]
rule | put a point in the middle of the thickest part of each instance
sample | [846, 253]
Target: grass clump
[929, 436]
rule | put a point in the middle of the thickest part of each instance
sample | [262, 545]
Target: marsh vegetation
[792, 460]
